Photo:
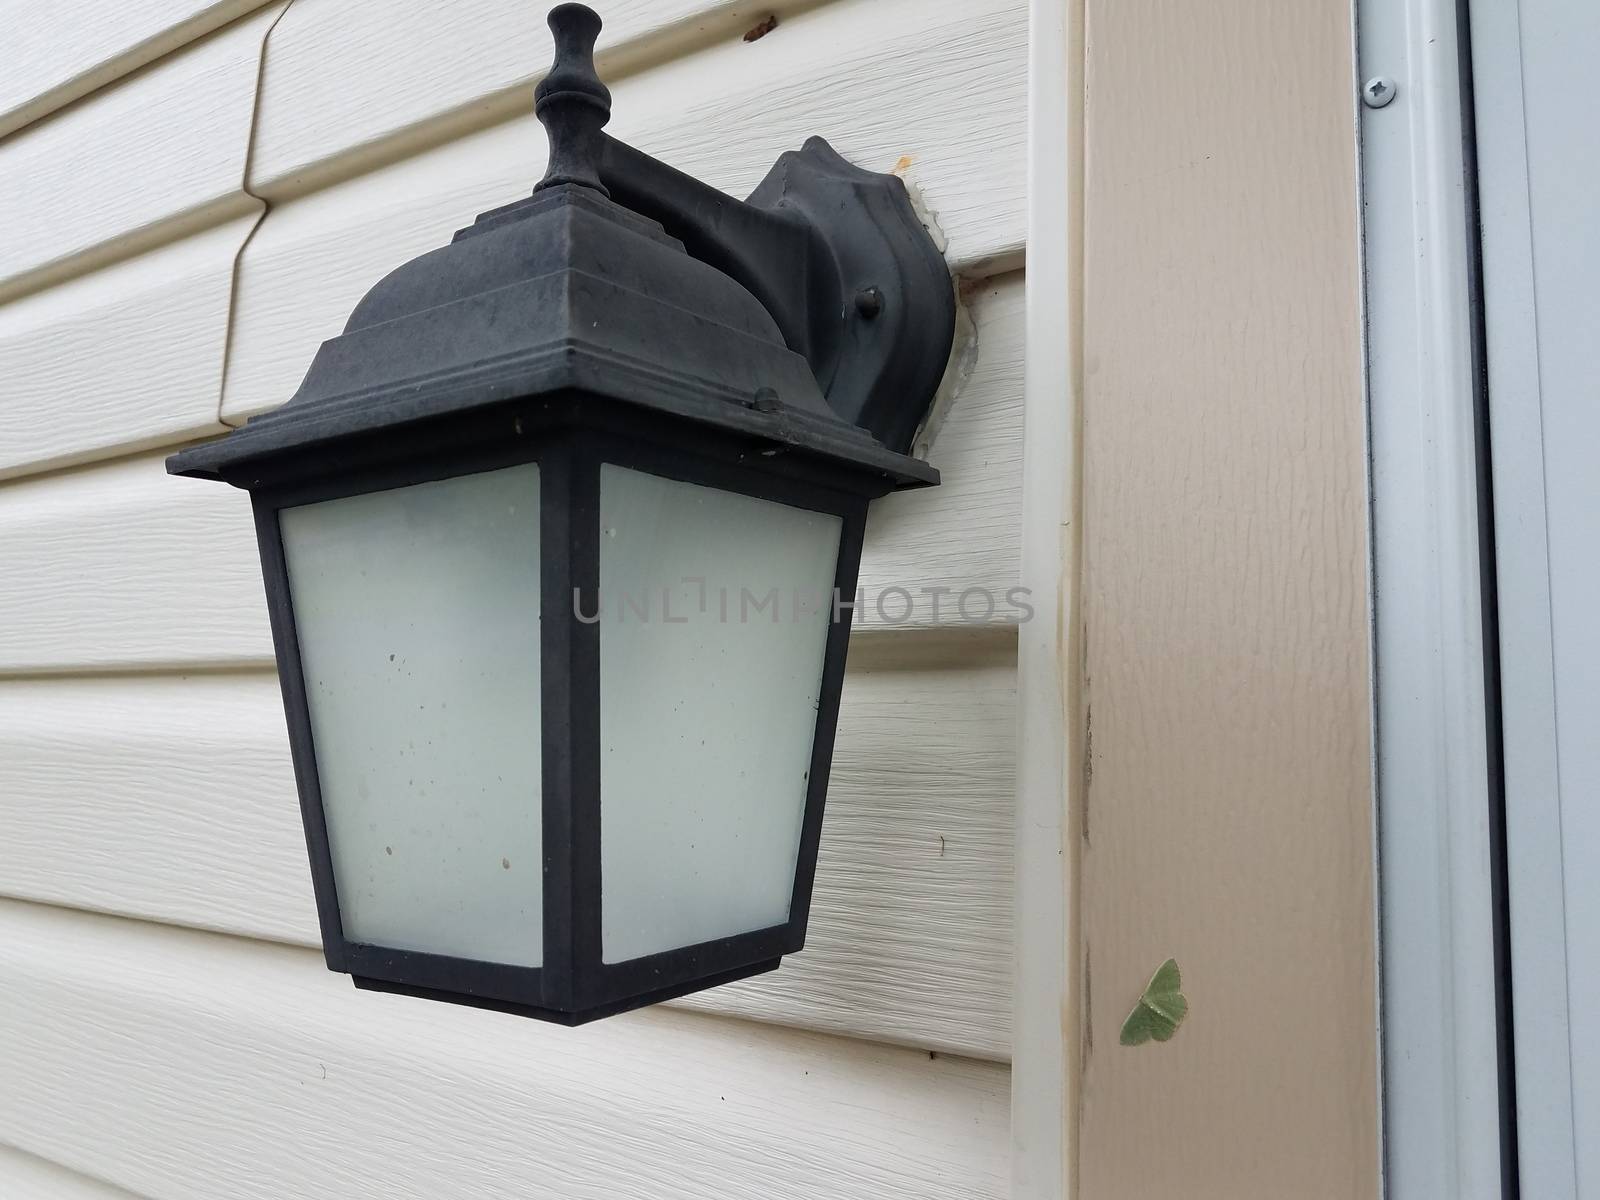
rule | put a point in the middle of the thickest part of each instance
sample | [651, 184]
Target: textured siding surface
[135, 165]
[190, 1065]
[159, 319]
[56, 53]
[1228, 820]
[192, 197]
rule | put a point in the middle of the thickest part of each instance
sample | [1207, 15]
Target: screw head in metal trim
[1378, 91]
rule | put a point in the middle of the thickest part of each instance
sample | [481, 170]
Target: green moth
[1160, 1010]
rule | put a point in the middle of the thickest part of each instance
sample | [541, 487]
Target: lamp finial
[571, 102]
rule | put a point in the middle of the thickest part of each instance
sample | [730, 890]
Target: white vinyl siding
[139, 164]
[158, 321]
[193, 1066]
[56, 53]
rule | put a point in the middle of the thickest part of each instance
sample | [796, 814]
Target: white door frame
[1537, 858]
[1437, 785]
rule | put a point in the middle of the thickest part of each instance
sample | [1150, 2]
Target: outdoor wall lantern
[551, 537]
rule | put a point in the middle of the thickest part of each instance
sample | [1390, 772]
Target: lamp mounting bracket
[834, 253]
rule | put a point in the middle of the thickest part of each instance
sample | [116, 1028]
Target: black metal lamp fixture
[559, 538]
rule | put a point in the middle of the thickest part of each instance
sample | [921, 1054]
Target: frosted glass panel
[708, 697]
[418, 616]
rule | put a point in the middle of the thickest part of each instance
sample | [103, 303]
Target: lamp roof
[563, 292]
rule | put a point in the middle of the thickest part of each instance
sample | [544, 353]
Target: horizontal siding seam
[680, 40]
[130, 61]
[121, 456]
[154, 235]
[880, 648]
[912, 648]
[95, 456]
[115, 672]
[186, 925]
[93, 1184]
[313, 955]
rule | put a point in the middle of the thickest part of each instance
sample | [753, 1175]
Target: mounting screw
[765, 400]
[869, 303]
[1378, 91]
